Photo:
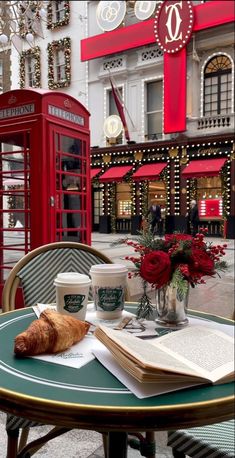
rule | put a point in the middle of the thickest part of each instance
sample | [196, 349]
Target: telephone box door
[69, 198]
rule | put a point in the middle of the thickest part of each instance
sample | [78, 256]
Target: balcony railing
[197, 126]
[220, 121]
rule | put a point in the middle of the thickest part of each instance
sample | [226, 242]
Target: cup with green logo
[72, 289]
[109, 286]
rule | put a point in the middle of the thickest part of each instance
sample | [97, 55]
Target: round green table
[92, 398]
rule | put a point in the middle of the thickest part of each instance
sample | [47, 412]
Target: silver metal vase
[171, 310]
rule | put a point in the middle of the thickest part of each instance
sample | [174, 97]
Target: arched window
[217, 86]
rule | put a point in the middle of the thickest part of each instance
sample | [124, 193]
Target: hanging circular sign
[144, 10]
[173, 25]
[110, 14]
[112, 126]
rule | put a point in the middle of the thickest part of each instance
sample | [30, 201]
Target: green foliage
[180, 284]
[221, 265]
[145, 307]
[146, 239]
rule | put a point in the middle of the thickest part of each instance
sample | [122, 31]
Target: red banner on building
[119, 105]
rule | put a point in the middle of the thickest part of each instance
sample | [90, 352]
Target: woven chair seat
[214, 441]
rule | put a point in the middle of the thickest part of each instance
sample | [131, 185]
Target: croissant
[51, 333]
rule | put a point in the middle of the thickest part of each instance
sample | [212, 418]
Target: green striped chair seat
[212, 441]
[37, 277]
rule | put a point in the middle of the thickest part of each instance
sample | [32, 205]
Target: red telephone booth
[44, 172]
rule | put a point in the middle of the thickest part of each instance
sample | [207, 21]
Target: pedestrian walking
[193, 218]
[156, 218]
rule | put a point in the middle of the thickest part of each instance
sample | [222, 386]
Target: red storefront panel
[210, 208]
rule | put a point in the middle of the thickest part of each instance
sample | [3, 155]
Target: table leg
[117, 445]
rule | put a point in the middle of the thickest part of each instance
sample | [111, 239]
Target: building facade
[179, 112]
[168, 165]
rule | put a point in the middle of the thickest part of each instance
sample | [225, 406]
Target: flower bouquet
[178, 260]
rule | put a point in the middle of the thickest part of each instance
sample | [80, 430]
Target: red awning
[95, 172]
[115, 173]
[149, 171]
[203, 168]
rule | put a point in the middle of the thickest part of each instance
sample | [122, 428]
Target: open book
[193, 354]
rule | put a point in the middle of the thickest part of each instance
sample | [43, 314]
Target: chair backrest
[36, 271]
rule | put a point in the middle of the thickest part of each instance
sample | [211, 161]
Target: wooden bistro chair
[35, 274]
[214, 441]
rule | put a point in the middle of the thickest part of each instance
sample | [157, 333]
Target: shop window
[154, 110]
[97, 205]
[209, 194]
[58, 14]
[218, 86]
[59, 71]
[123, 200]
[30, 72]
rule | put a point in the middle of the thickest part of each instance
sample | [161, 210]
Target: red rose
[156, 268]
[201, 262]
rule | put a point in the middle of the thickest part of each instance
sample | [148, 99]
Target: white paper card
[76, 356]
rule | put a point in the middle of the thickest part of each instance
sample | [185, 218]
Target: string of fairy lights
[176, 158]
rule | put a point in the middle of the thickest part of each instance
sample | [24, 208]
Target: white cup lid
[108, 269]
[72, 278]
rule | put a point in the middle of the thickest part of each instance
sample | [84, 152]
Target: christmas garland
[225, 184]
[34, 53]
[64, 21]
[25, 22]
[65, 44]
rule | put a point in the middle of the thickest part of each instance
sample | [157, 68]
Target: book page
[141, 352]
[209, 352]
[197, 351]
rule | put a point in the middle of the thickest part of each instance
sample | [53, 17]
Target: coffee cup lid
[72, 278]
[108, 269]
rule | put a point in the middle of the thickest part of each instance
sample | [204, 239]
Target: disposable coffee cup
[108, 286]
[72, 291]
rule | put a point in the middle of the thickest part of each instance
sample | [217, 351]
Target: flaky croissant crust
[51, 333]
